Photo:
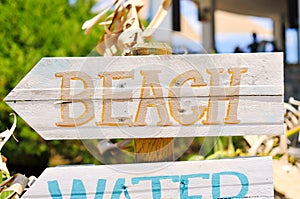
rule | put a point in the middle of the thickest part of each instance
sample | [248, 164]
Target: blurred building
[235, 17]
[220, 25]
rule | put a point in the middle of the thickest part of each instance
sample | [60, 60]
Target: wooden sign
[153, 96]
[228, 178]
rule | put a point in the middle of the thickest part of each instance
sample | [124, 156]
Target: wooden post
[153, 149]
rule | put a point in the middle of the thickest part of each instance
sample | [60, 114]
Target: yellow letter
[151, 83]
[217, 93]
[84, 97]
[233, 91]
[108, 98]
[174, 98]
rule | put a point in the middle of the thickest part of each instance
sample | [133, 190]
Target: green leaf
[6, 194]
[31, 30]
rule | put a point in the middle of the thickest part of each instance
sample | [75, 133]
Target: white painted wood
[257, 116]
[265, 73]
[255, 180]
[38, 97]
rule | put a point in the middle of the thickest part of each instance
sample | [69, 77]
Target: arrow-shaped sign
[231, 178]
[152, 96]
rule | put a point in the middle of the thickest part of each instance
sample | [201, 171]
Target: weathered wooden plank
[120, 97]
[256, 115]
[19, 94]
[228, 178]
[183, 131]
[264, 74]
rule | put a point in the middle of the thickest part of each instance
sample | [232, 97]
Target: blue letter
[156, 186]
[216, 184]
[119, 188]
[100, 189]
[78, 190]
[184, 182]
[54, 190]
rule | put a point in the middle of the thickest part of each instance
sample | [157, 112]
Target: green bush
[31, 30]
